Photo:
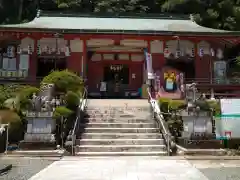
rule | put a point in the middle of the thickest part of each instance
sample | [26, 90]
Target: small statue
[34, 98]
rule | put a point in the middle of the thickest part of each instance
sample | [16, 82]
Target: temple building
[102, 48]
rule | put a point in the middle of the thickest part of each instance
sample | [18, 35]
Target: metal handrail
[81, 108]
[164, 129]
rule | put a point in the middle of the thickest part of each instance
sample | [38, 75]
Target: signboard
[227, 125]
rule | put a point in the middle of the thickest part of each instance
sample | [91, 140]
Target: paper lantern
[166, 52]
[39, 52]
[19, 49]
[10, 51]
[67, 51]
[50, 50]
[30, 49]
[178, 53]
[219, 54]
[193, 52]
[47, 50]
[201, 52]
[212, 52]
[58, 51]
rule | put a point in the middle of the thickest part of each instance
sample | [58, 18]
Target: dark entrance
[46, 65]
[117, 78]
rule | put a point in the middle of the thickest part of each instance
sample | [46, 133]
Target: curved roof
[150, 25]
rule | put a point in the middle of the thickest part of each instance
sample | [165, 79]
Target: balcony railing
[214, 81]
[16, 74]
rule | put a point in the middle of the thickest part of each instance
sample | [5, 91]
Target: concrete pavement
[120, 168]
[78, 168]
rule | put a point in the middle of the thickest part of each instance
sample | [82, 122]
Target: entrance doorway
[46, 65]
[117, 78]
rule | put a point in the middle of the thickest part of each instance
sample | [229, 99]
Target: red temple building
[100, 47]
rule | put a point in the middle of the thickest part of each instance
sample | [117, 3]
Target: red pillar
[84, 60]
[32, 72]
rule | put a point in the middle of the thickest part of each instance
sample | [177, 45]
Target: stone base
[23, 145]
[200, 144]
[232, 143]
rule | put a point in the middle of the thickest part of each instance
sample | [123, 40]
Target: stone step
[119, 120]
[121, 130]
[124, 153]
[119, 148]
[117, 113]
[120, 108]
[119, 141]
[119, 125]
[113, 115]
[115, 135]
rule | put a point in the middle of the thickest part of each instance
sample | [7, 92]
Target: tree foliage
[222, 14]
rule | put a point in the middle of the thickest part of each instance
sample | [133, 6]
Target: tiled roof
[100, 24]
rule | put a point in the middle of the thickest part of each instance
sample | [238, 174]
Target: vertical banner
[148, 62]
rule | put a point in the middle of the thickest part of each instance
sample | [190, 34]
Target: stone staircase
[120, 131]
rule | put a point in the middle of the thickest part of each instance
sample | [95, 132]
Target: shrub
[171, 104]
[72, 99]
[8, 116]
[64, 81]
[62, 112]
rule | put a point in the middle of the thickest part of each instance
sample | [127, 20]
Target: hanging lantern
[166, 52]
[50, 50]
[178, 53]
[30, 49]
[201, 52]
[10, 51]
[193, 52]
[212, 52]
[44, 49]
[39, 49]
[219, 54]
[58, 51]
[47, 50]
[13, 51]
[19, 49]
[67, 51]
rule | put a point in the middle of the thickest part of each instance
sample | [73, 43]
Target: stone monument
[41, 125]
[197, 120]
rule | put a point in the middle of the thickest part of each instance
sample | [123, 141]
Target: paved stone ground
[24, 168]
[121, 168]
[218, 169]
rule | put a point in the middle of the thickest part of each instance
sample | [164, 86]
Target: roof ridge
[41, 13]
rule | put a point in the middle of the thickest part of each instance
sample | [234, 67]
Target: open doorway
[46, 65]
[185, 66]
